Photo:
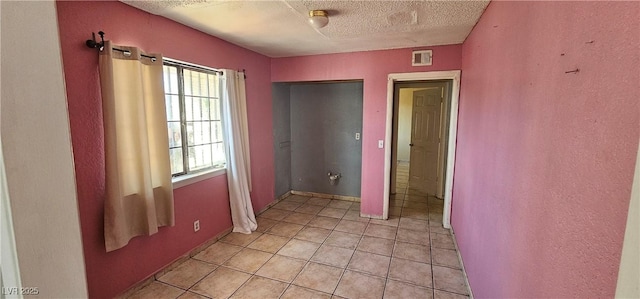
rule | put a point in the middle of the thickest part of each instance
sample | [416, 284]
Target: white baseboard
[380, 217]
[324, 195]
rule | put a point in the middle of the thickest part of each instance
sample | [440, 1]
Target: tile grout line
[433, 277]
[307, 261]
[289, 284]
[393, 248]
[201, 279]
[246, 247]
[429, 234]
[351, 258]
[274, 254]
[368, 223]
[252, 274]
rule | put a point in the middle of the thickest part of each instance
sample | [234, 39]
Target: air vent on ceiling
[420, 58]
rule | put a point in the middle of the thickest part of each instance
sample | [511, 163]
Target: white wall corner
[629, 272]
[38, 159]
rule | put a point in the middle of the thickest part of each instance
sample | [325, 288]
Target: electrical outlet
[196, 225]
[357, 136]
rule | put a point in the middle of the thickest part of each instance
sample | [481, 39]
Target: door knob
[410, 144]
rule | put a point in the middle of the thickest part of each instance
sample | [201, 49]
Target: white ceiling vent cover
[422, 57]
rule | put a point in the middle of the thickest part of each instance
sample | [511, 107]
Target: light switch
[380, 143]
[357, 136]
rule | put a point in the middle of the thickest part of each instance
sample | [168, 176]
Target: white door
[425, 140]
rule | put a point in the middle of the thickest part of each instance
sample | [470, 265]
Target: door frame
[453, 75]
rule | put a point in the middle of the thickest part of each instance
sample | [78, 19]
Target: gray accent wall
[282, 137]
[325, 118]
[314, 129]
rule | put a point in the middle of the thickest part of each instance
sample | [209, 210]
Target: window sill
[189, 179]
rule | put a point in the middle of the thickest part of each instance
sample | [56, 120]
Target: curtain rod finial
[92, 43]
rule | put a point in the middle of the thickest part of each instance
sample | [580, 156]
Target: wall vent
[421, 57]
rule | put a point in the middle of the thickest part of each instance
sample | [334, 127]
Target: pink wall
[111, 273]
[373, 67]
[545, 159]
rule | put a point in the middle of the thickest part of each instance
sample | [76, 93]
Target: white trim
[387, 149]
[453, 130]
[188, 179]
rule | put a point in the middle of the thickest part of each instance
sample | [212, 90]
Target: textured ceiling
[280, 28]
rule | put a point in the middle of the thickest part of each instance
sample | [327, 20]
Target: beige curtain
[139, 193]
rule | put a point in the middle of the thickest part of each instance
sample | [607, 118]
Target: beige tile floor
[319, 248]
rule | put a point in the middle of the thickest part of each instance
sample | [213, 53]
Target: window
[193, 118]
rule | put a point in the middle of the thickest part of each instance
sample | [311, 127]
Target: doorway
[447, 118]
[420, 130]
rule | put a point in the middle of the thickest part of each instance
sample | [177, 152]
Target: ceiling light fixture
[318, 18]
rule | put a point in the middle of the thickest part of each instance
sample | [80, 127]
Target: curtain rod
[92, 43]
[128, 53]
[192, 65]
